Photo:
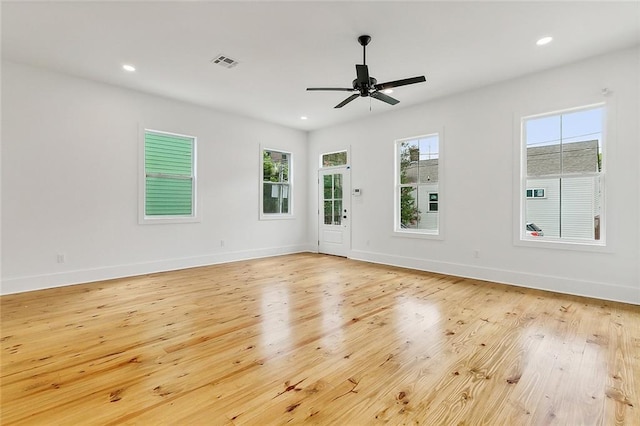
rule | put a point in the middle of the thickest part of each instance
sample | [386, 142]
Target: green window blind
[169, 177]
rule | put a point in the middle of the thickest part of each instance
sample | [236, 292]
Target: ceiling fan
[369, 86]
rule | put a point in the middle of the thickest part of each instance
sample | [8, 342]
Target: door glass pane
[337, 212]
[328, 210]
[328, 186]
[332, 196]
[337, 189]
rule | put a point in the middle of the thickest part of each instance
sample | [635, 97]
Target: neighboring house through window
[276, 183]
[418, 185]
[169, 177]
[563, 175]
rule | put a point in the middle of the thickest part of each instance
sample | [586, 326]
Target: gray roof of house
[573, 157]
[422, 171]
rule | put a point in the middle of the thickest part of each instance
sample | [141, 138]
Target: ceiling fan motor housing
[364, 89]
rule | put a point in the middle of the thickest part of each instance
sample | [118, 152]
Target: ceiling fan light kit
[365, 85]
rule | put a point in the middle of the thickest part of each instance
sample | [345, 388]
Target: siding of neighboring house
[580, 196]
[573, 214]
[545, 212]
[578, 209]
[425, 174]
[428, 219]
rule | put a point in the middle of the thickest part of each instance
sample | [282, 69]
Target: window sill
[419, 235]
[167, 220]
[276, 216]
[556, 244]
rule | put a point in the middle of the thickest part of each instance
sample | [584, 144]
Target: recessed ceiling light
[544, 40]
[303, 118]
[128, 67]
[387, 91]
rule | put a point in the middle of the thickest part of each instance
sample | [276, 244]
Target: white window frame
[143, 219]
[276, 216]
[520, 198]
[418, 233]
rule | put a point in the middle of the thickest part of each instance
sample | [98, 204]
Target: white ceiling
[285, 47]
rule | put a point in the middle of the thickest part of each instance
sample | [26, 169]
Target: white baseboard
[616, 293]
[61, 279]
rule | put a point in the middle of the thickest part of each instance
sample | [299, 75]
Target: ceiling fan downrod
[364, 40]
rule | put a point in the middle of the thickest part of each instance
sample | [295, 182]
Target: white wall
[70, 171]
[477, 204]
[70, 175]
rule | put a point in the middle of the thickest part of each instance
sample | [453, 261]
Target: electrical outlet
[61, 258]
[476, 254]
[221, 243]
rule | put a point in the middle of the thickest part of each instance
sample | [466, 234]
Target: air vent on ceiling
[224, 61]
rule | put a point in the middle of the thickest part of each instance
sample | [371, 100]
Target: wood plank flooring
[316, 339]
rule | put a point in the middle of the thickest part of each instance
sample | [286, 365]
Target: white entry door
[334, 212]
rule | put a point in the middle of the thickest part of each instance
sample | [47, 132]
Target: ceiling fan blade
[384, 98]
[398, 83]
[363, 75]
[346, 101]
[339, 89]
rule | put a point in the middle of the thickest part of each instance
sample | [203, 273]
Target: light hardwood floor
[316, 339]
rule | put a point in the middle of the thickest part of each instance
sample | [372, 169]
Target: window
[417, 185]
[333, 159]
[276, 182]
[169, 177]
[562, 175]
[433, 201]
[535, 193]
